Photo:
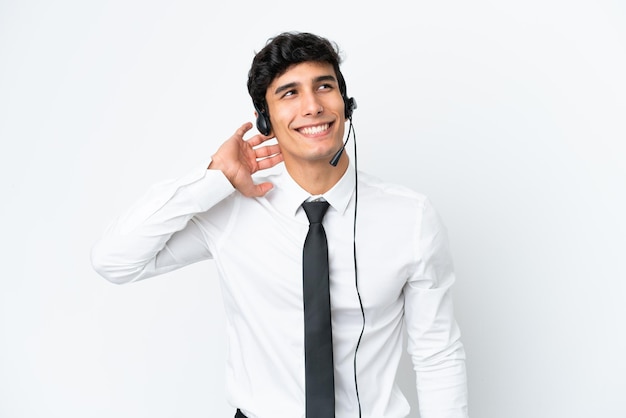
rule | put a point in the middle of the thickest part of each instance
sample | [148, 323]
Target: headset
[263, 118]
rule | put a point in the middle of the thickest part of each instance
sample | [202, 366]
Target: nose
[311, 105]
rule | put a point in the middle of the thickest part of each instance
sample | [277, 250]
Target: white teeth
[312, 130]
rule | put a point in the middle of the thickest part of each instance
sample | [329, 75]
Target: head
[282, 53]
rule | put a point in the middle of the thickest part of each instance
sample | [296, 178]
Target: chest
[261, 254]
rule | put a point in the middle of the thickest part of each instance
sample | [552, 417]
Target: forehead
[304, 72]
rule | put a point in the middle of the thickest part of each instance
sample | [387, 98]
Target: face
[307, 113]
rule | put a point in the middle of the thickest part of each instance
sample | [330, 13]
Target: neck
[319, 177]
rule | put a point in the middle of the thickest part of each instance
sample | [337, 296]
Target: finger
[243, 129]
[258, 139]
[267, 150]
[269, 162]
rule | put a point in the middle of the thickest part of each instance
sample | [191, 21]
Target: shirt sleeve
[159, 234]
[434, 341]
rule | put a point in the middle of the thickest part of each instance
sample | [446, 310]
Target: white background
[510, 115]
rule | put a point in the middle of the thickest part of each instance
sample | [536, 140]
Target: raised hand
[238, 159]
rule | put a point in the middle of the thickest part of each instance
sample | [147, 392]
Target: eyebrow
[289, 86]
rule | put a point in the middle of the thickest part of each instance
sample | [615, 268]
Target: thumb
[262, 188]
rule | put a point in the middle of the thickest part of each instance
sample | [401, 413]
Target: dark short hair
[285, 50]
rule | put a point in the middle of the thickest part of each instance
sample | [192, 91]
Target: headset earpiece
[350, 105]
[262, 121]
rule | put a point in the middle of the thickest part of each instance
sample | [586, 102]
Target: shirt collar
[288, 196]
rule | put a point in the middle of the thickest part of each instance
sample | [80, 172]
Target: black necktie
[318, 339]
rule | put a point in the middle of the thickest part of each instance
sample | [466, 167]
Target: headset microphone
[350, 106]
[337, 156]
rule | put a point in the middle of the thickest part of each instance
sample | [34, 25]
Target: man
[389, 262]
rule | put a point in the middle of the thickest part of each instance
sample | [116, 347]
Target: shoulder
[372, 187]
[397, 203]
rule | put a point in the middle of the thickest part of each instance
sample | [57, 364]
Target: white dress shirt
[404, 276]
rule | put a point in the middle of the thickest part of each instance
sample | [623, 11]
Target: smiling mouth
[314, 130]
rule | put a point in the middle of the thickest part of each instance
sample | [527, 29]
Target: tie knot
[315, 210]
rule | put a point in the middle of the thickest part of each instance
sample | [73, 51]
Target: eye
[289, 93]
[325, 87]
